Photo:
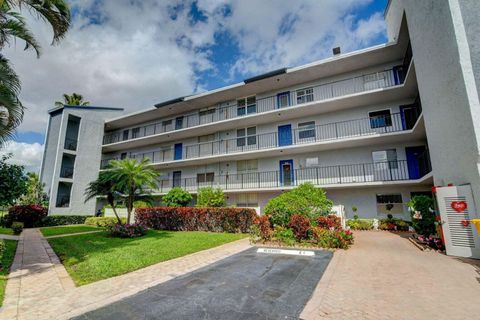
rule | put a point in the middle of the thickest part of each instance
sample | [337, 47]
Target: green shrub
[177, 197]
[360, 224]
[426, 225]
[3, 247]
[141, 204]
[51, 221]
[284, 235]
[393, 225]
[17, 227]
[305, 200]
[103, 221]
[210, 197]
[326, 238]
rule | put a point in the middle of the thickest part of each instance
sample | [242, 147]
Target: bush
[30, 215]
[177, 197]
[196, 219]
[284, 235]
[423, 217]
[329, 222]
[17, 227]
[305, 200]
[126, 230]
[103, 221]
[393, 224]
[210, 197]
[3, 247]
[51, 221]
[360, 224]
[327, 238]
[261, 229]
[300, 226]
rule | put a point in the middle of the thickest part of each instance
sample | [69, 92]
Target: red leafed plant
[300, 226]
[264, 227]
[329, 222]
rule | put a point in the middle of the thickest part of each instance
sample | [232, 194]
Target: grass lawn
[53, 231]
[6, 231]
[95, 256]
[11, 246]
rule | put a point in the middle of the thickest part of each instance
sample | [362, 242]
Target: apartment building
[372, 127]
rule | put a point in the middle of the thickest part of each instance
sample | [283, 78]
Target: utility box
[457, 209]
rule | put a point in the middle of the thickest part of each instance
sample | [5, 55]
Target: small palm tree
[103, 186]
[74, 99]
[127, 178]
[11, 109]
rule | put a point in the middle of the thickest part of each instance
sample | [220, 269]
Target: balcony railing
[70, 144]
[63, 202]
[363, 83]
[320, 176]
[326, 132]
[66, 172]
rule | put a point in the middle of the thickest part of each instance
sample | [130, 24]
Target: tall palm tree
[12, 27]
[74, 99]
[130, 179]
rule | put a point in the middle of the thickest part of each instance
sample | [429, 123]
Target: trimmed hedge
[196, 219]
[52, 221]
[103, 221]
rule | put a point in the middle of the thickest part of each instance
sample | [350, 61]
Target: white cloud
[25, 154]
[132, 54]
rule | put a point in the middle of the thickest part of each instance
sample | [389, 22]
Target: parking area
[247, 285]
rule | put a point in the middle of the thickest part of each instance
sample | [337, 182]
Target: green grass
[6, 231]
[96, 256]
[54, 231]
[8, 255]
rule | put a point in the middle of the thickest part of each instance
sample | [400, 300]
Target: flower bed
[196, 219]
[126, 230]
[325, 232]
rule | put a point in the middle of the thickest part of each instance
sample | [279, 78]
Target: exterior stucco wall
[442, 53]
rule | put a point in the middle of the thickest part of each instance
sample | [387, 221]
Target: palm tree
[12, 27]
[74, 99]
[103, 186]
[128, 178]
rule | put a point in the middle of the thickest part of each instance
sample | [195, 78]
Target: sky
[135, 53]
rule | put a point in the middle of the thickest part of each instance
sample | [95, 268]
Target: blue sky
[133, 54]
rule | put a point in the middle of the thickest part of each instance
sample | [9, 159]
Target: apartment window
[380, 119]
[205, 177]
[246, 136]
[283, 99]
[246, 106]
[135, 133]
[125, 134]
[123, 155]
[304, 95]
[306, 130]
[384, 157]
[389, 203]
[166, 124]
[245, 166]
[247, 200]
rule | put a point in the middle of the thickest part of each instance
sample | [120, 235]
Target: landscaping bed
[61, 230]
[96, 256]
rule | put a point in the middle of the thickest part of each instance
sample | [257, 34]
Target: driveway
[247, 285]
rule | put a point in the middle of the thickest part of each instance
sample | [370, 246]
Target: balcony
[309, 94]
[353, 174]
[330, 132]
[66, 172]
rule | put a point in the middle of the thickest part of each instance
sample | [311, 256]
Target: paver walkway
[40, 288]
[383, 276]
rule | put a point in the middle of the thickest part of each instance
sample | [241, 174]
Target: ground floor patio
[383, 276]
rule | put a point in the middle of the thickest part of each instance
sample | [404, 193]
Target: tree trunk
[112, 203]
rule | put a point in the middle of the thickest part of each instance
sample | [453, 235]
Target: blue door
[285, 135]
[286, 173]
[413, 154]
[178, 151]
[177, 178]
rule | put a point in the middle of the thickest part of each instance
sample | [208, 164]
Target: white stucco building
[371, 127]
